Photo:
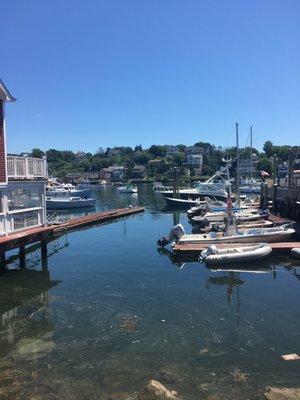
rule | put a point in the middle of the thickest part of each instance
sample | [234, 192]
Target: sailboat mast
[251, 161]
[237, 183]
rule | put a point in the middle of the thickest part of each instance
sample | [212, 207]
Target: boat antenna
[237, 183]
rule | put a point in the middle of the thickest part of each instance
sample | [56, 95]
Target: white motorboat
[240, 224]
[216, 255]
[231, 235]
[182, 203]
[220, 216]
[127, 189]
[54, 188]
[295, 252]
[216, 187]
[65, 202]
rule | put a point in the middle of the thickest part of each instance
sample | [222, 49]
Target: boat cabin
[22, 183]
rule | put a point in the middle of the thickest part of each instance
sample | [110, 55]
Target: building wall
[2, 146]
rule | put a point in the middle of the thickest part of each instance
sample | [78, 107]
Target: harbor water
[109, 311]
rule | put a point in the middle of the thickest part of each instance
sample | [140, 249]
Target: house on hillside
[22, 183]
[194, 150]
[139, 172]
[195, 161]
[115, 173]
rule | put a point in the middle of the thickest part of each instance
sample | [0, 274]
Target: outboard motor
[175, 234]
[265, 212]
[209, 251]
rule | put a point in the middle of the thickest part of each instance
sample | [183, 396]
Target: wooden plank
[80, 222]
[196, 248]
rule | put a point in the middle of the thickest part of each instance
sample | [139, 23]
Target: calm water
[112, 312]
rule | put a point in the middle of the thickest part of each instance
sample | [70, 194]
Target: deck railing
[21, 219]
[26, 168]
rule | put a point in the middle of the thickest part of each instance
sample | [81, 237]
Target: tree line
[62, 162]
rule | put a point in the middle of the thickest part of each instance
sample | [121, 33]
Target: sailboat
[250, 186]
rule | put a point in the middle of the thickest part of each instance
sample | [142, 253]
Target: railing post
[26, 168]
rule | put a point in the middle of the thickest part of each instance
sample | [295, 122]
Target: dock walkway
[96, 218]
[44, 234]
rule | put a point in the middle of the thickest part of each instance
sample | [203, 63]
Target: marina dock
[197, 248]
[43, 234]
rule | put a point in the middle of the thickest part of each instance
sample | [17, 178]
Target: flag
[264, 174]
[229, 202]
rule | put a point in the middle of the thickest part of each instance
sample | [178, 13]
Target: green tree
[37, 153]
[264, 164]
[268, 148]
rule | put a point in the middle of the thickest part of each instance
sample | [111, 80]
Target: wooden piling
[2, 261]
[22, 256]
[44, 249]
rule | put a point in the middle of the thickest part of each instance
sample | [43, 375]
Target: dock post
[274, 205]
[290, 168]
[44, 250]
[175, 184]
[22, 256]
[2, 261]
[261, 200]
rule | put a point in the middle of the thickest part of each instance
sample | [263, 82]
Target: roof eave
[8, 96]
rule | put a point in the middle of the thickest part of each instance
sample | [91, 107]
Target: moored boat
[232, 235]
[220, 216]
[68, 202]
[217, 255]
[295, 252]
[182, 203]
[127, 189]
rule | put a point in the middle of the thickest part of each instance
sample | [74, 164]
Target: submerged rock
[282, 393]
[154, 390]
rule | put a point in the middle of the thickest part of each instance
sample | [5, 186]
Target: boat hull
[253, 254]
[66, 205]
[266, 238]
[181, 203]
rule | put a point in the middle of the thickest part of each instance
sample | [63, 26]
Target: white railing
[26, 167]
[21, 219]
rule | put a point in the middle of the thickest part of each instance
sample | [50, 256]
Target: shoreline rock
[276, 393]
[154, 390]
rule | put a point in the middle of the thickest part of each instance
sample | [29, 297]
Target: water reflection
[26, 333]
[124, 312]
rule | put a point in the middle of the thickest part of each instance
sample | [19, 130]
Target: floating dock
[43, 234]
[96, 218]
[197, 248]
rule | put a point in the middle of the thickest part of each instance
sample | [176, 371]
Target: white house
[22, 183]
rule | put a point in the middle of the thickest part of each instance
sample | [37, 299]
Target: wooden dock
[96, 218]
[43, 234]
[197, 248]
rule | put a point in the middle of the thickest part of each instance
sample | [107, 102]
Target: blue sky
[95, 73]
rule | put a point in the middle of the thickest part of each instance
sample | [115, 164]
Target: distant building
[171, 150]
[78, 177]
[195, 161]
[115, 151]
[139, 172]
[115, 173]
[80, 155]
[194, 150]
